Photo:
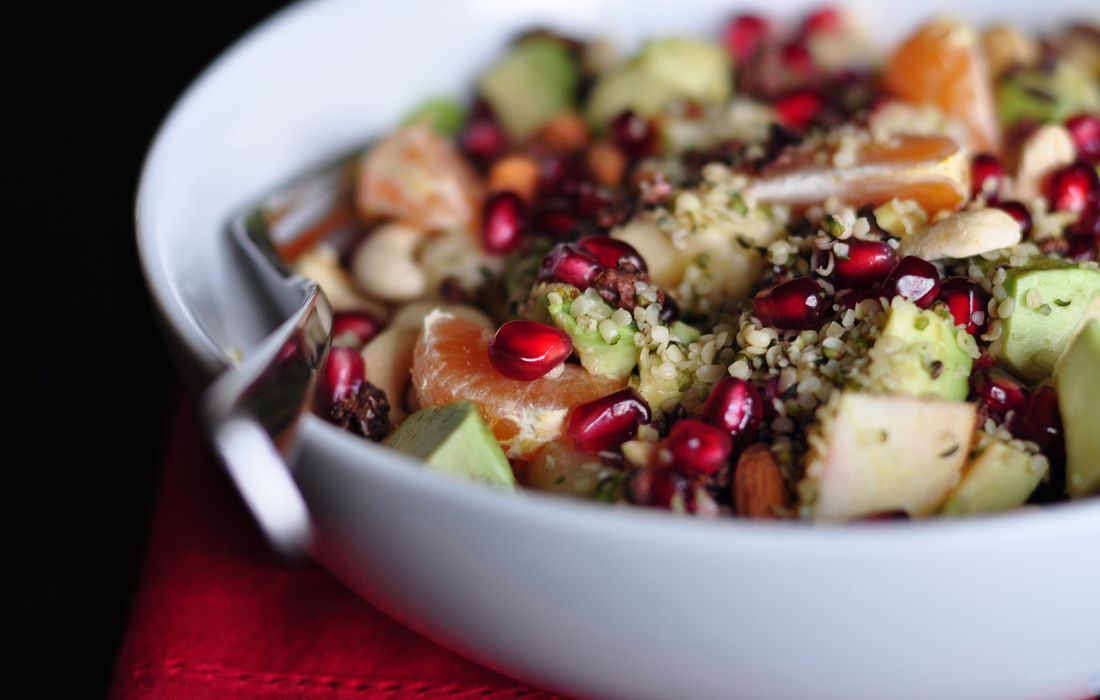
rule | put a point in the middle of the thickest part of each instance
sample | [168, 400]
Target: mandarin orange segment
[417, 176]
[451, 362]
[942, 65]
[858, 169]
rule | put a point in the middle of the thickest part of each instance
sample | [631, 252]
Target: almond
[758, 488]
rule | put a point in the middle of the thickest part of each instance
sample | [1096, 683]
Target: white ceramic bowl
[584, 598]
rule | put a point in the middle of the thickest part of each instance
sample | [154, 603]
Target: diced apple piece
[388, 358]
[871, 454]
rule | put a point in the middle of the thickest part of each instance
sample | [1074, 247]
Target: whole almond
[758, 488]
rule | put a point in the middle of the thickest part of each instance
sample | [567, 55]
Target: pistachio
[963, 235]
[1050, 147]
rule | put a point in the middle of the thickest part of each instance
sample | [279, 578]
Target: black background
[85, 86]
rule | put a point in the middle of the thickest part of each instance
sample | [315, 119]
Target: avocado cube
[665, 69]
[1078, 383]
[871, 454]
[614, 358]
[453, 439]
[999, 478]
[1051, 297]
[534, 82]
[1047, 95]
[918, 354]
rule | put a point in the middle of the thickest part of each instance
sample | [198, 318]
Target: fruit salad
[781, 273]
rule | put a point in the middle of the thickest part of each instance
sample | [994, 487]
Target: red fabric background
[217, 618]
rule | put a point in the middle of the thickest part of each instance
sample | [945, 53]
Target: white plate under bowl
[588, 599]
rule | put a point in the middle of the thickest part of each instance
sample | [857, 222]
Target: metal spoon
[252, 411]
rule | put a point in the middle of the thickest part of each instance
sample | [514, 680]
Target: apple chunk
[871, 454]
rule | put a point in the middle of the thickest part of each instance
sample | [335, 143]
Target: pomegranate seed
[1085, 129]
[569, 264]
[848, 298]
[503, 222]
[798, 109]
[1041, 422]
[555, 218]
[796, 305]
[865, 263]
[354, 328]
[999, 391]
[797, 60]
[1073, 187]
[611, 252]
[744, 36]
[698, 447]
[591, 198]
[966, 301]
[769, 393]
[634, 134]
[824, 19]
[914, 279]
[670, 311]
[341, 378]
[1018, 211]
[735, 405]
[986, 177]
[527, 350]
[1081, 246]
[482, 139]
[659, 486]
[607, 422]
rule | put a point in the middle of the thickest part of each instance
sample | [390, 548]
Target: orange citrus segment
[942, 65]
[417, 176]
[859, 170]
[451, 362]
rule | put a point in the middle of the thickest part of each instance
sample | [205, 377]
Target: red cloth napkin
[217, 617]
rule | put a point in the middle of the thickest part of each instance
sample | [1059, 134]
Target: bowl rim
[392, 466]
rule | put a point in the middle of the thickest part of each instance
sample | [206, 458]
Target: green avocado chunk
[534, 82]
[442, 114]
[614, 358]
[1047, 96]
[1078, 382]
[453, 439]
[1051, 297]
[918, 354]
[665, 69]
[999, 478]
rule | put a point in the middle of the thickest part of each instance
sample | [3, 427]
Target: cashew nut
[964, 234]
[1050, 147]
[459, 256]
[322, 265]
[384, 267]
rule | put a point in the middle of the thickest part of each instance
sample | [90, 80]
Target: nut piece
[322, 265]
[384, 267]
[1006, 47]
[1049, 148]
[412, 315]
[964, 234]
[758, 488]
